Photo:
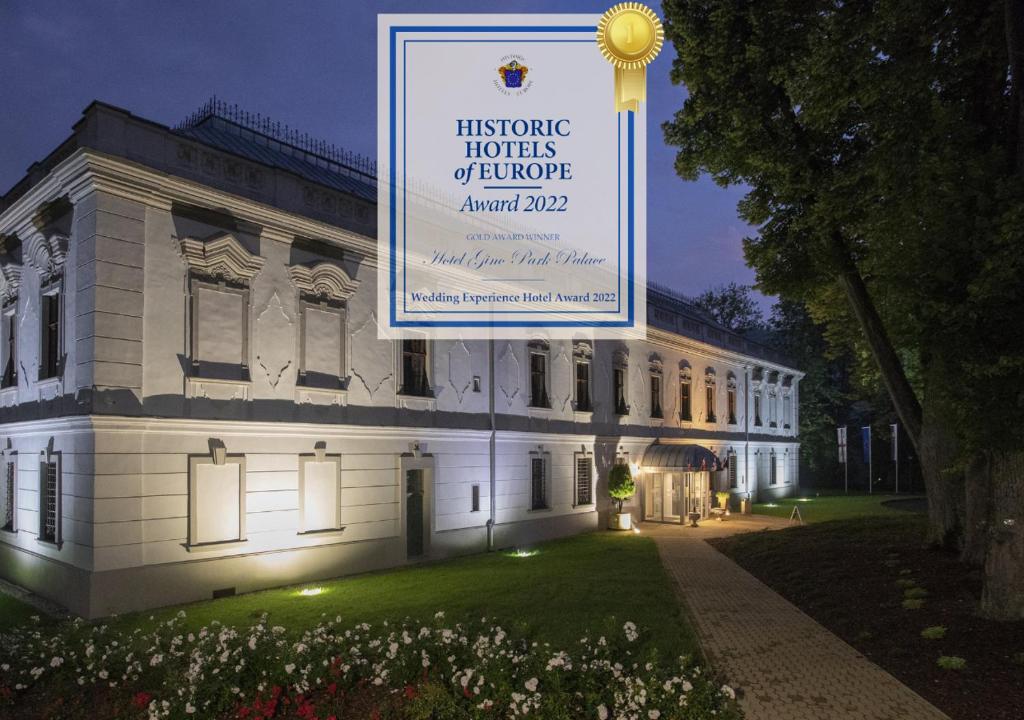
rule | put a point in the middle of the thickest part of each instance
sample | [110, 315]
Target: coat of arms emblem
[512, 74]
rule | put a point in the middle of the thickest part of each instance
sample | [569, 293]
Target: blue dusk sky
[311, 65]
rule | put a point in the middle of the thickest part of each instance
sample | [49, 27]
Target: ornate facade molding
[323, 280]
[221, 257]
[46, 252]
[10, 268]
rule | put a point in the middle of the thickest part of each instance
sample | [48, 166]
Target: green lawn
[14, 612]
[822, 508]
[555, 595]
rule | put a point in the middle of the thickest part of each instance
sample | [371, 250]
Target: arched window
[710, 387]
[731, 398]
[685, 395]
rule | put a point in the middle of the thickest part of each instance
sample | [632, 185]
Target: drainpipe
[493, 445]
[746, 430]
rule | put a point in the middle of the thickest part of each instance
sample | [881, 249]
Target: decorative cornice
[46, 252]
[323, 280]
[221, 257]
[10, 267]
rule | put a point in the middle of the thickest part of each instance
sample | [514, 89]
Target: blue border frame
[393, 270]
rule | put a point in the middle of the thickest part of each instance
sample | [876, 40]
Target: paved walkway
[784, 665]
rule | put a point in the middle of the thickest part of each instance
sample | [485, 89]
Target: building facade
[195, 401]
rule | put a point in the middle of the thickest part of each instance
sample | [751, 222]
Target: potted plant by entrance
[620, 487]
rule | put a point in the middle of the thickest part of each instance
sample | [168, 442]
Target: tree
[882, 145]
[733, 306]
[620, 484]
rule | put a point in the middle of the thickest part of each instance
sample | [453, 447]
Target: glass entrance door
[653, 498]
[673, 496]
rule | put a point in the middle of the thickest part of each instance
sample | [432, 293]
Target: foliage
[621, 485]
[894, 148]
[913, 604]
[915, 593]
[14, 612]
[951, 662]
[733, 306]
[935, 632]
[411, 669]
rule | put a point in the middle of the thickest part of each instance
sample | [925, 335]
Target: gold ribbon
[630, 36]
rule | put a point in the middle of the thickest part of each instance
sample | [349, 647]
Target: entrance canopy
[676, 457]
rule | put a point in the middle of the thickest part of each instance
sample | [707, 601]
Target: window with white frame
[710, 388]
[773, 469]
[220, 274]
[216, 498]
[50, 498]
[620, 385]
[582, 354]
[655, 369]
[319, 492]
[10, 494]
[414, 367]
[538, 481]
[9, 337]
[540, 354]
[51, 335]
[731, 398]
[757, 408]
[584, 481]
[773, 417]
[685, 395]
[324, 292]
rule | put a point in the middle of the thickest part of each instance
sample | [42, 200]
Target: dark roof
[256, 138]
[670, 311]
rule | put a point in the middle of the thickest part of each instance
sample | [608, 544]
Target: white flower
[687, 686]
[654, 714]
[729, 692]
[252, 642]
[531, 684]
[289, 668]
[190, 708]
[630, 630]
[602, 712]
[104, 674]
[56, 662]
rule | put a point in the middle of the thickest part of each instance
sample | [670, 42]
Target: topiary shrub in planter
[621, 487]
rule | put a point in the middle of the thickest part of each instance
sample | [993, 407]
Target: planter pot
[620, 521]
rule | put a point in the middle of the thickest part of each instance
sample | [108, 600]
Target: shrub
[952, 662]
[906, 583]
[913, 604]
[915, 593]
[436, 670]
[620, 484]
[936, 632]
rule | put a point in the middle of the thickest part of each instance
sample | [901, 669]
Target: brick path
[784, 665]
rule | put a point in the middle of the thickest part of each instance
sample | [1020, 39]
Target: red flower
[466, 693]
[410, 692]
[332, 688]
[141, 699]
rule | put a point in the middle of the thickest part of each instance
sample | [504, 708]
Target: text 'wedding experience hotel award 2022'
[512, 182]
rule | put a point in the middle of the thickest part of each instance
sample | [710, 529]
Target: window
[773, 411]
[414, 368]
[733, 470]
[731, 399]
[584, 480]
[476, 498]
[322, 345]
[538, 483]
[539, 375]
[656, 396]
[583, 386]
[10, 496]
[216, 499]
[787, 409]
[10, 347]
[319, 501]
[685, 403]
[757, 408]
[773, 469]
[582, 354]
[49, 500]
[619, 389]
[709, 397]
[50, 333]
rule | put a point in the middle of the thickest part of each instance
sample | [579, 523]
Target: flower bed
[409, 670]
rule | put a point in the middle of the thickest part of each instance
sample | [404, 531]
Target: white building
[194, 400]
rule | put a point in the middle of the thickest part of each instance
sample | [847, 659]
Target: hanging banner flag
[512, 192]
[895, 441]
[841, 433]
[865, 434]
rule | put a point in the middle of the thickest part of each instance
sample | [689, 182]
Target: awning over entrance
[671, 456]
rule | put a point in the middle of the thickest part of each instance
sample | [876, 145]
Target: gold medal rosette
[630, 36]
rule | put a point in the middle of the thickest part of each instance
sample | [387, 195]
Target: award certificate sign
[512, 183]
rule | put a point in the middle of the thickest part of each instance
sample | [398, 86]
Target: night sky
[311, 65]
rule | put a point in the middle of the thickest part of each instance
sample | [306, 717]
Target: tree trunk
[977, 490]
[1003, 595]
[937, 452]
[903, 398]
